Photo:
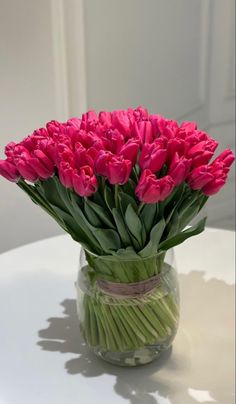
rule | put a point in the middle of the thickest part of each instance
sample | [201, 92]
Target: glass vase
[128, 308]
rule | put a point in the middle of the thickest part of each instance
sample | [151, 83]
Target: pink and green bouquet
[124, 184]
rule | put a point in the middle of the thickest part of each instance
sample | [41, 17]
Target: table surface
[43, 359]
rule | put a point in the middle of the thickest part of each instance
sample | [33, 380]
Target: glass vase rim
[110, 257]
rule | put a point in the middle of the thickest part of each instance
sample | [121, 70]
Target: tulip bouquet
[124, 184]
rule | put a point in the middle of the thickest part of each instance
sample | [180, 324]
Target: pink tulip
[199, 177]
[219, 168]
[144, 131]
[65, 171]
[153, 155]
[84, 181]
[105, 119]
[150, 189]
[202, 152]
[82, 157]
[227, 158]
[89, 121]
[115, 168]
[22, 160]
[179, 168]
[186, 129]
[174, 146]
[163, 127]
[73, 123]
[214, 186]
[54, 127]
[130, 150]
[119, 170]
[41, 164]
[113, 140]
[102, 161]
[120, 121]
[140, 113]
[8, 170]
[9, 150]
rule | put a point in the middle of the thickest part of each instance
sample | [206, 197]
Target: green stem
[116, 195]
[141, 205]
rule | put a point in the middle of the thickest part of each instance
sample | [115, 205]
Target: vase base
[134, 358]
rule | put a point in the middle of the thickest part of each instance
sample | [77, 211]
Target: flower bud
[84, 181]
[150, 189]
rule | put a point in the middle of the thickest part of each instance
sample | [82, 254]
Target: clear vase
[128, 309]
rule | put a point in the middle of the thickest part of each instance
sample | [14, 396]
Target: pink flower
[32, 165]
[83, 157]
[153, 155]
[65, 172]
[22, 160]
[179, 168]
[186, 129]
[120, 121]
[9, 171]
[174, 146]
[163, 127]
[115, 168]
[9, 150]
[211, 178]
[41, 164]
[140, 113]
[84, 181]
[54, 127]
[130, 150]
[73, 123]
[144, 131]
[102, 161]
[87, 139]
[199, 177]
[227, 158]
[89, 121]
[219, 168]
[113, 140]
[66, 166]
[150, 189]
[119, 170]
[105, 119]
[202, 152]
[214, 186]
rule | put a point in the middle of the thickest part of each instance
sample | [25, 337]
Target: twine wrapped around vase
[132, 290]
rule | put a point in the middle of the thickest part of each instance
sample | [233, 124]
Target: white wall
[59, 57]
[27, 100]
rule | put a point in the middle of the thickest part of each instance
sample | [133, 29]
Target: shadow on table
[184, 376]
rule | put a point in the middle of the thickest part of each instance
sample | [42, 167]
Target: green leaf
[91, 216]
[191, 210]
[179, 238]
[173, 225]
[121, 227]
[124, 201]
[102, 213]
[148, 215]
[70, 200]
[34, 195]
[108, 239]
[109, 198]
[49, 190]
[155, 237]
[73, 229]
[134, 224]
[129, 188]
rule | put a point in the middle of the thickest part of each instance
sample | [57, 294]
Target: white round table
[43, 359]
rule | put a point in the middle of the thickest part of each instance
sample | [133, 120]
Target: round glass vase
[128, 309]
